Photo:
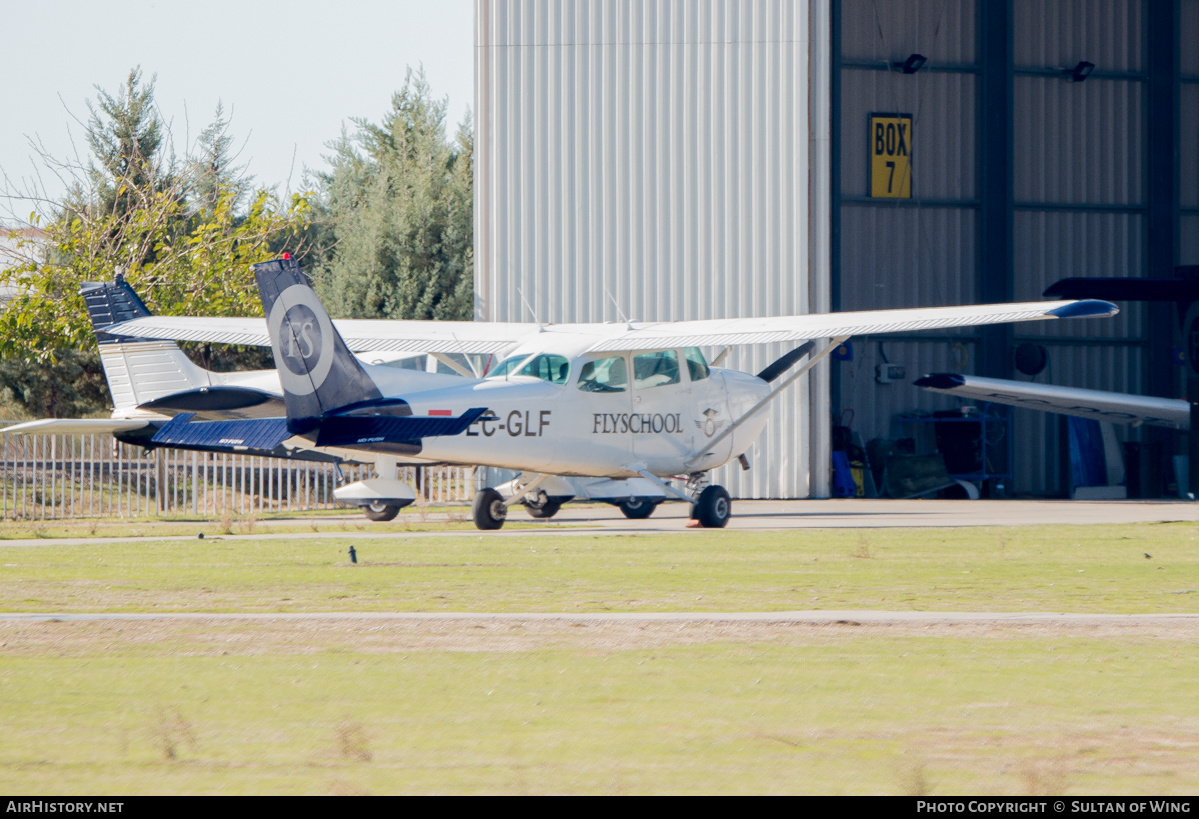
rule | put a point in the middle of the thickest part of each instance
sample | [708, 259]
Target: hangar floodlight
[912, 64]
[1079, 72]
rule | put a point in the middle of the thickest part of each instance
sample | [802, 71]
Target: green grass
[1048, 568]
[361, 706]
[841, 713]
[411, 519]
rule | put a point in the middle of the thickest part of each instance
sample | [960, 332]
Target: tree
[398, 205]
[125, 137]
[174, 228]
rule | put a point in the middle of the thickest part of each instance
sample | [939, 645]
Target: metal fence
[77, 476]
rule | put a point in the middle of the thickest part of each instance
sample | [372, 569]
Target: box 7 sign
[891, 156]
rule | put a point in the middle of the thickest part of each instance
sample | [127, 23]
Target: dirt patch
[219, 636]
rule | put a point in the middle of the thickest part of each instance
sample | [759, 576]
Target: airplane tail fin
[318, 372]
[138, 370]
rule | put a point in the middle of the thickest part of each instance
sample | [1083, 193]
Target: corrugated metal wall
[1189, 132]
[1079, 179]
[1079, 188]
[648, 158]
[917, 252]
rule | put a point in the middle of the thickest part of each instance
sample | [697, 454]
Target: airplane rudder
[316, 368]
[110, 303]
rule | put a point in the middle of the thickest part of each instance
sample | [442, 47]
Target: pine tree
[398, 201]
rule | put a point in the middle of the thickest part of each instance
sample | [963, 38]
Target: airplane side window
[605, 375]
[655, 369]
[696, 364]
[552, 368]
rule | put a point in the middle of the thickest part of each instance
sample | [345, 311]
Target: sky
[289, 74]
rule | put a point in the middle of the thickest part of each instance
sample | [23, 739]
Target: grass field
[368, 706]
[1064, 568]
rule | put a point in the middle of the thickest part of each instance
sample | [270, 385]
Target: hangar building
[688, 159]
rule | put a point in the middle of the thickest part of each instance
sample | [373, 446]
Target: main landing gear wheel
[545, 510]
[380, 511]
[713, 508]
[489, 509]
[637, 508]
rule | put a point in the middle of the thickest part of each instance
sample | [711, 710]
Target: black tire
[380, 511]
[489, 510]
[637, 508]
[713, 508]
[545, 510]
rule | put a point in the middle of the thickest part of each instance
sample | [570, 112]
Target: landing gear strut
[711, 505]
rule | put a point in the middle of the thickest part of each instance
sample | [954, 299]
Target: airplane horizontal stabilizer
[77, 426]
[350, 431]
[1114, 407]
[262, 434]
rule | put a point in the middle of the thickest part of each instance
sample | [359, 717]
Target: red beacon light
[286, 257]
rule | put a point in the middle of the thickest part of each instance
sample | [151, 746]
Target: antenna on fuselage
[619, 313]
[528, 306]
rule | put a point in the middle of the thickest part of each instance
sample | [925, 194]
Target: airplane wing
[380, 335]
[1116, 407]
[721, 332]
[75, 426]
[360, 335]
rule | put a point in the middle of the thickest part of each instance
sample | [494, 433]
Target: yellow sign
[891, 156]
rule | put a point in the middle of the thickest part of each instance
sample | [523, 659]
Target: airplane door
[700, 401]
[662, 429]
[600, 404]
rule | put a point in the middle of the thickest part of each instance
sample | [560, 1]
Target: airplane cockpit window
[548, 367]
[605, 375]
[655, 369]
[696, 364]
[508, 366]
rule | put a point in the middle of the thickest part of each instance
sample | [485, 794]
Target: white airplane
[1114, 407]
[629, 404]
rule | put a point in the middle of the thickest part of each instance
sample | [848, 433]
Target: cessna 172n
[630, 403]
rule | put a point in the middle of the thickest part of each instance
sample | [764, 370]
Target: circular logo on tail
[303, 337]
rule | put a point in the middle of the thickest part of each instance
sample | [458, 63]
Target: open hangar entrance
[664, 160]
[1045, 139]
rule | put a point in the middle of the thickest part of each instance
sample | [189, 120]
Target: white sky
[290, 73]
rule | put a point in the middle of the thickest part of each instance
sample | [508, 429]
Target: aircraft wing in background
[1114, 407]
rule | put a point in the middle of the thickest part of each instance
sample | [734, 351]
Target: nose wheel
[713, 508]
[489, 509]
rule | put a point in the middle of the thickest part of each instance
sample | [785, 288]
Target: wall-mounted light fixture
[912, 64]
[1079, 72]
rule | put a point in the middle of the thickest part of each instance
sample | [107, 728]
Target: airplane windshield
[696, 364]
